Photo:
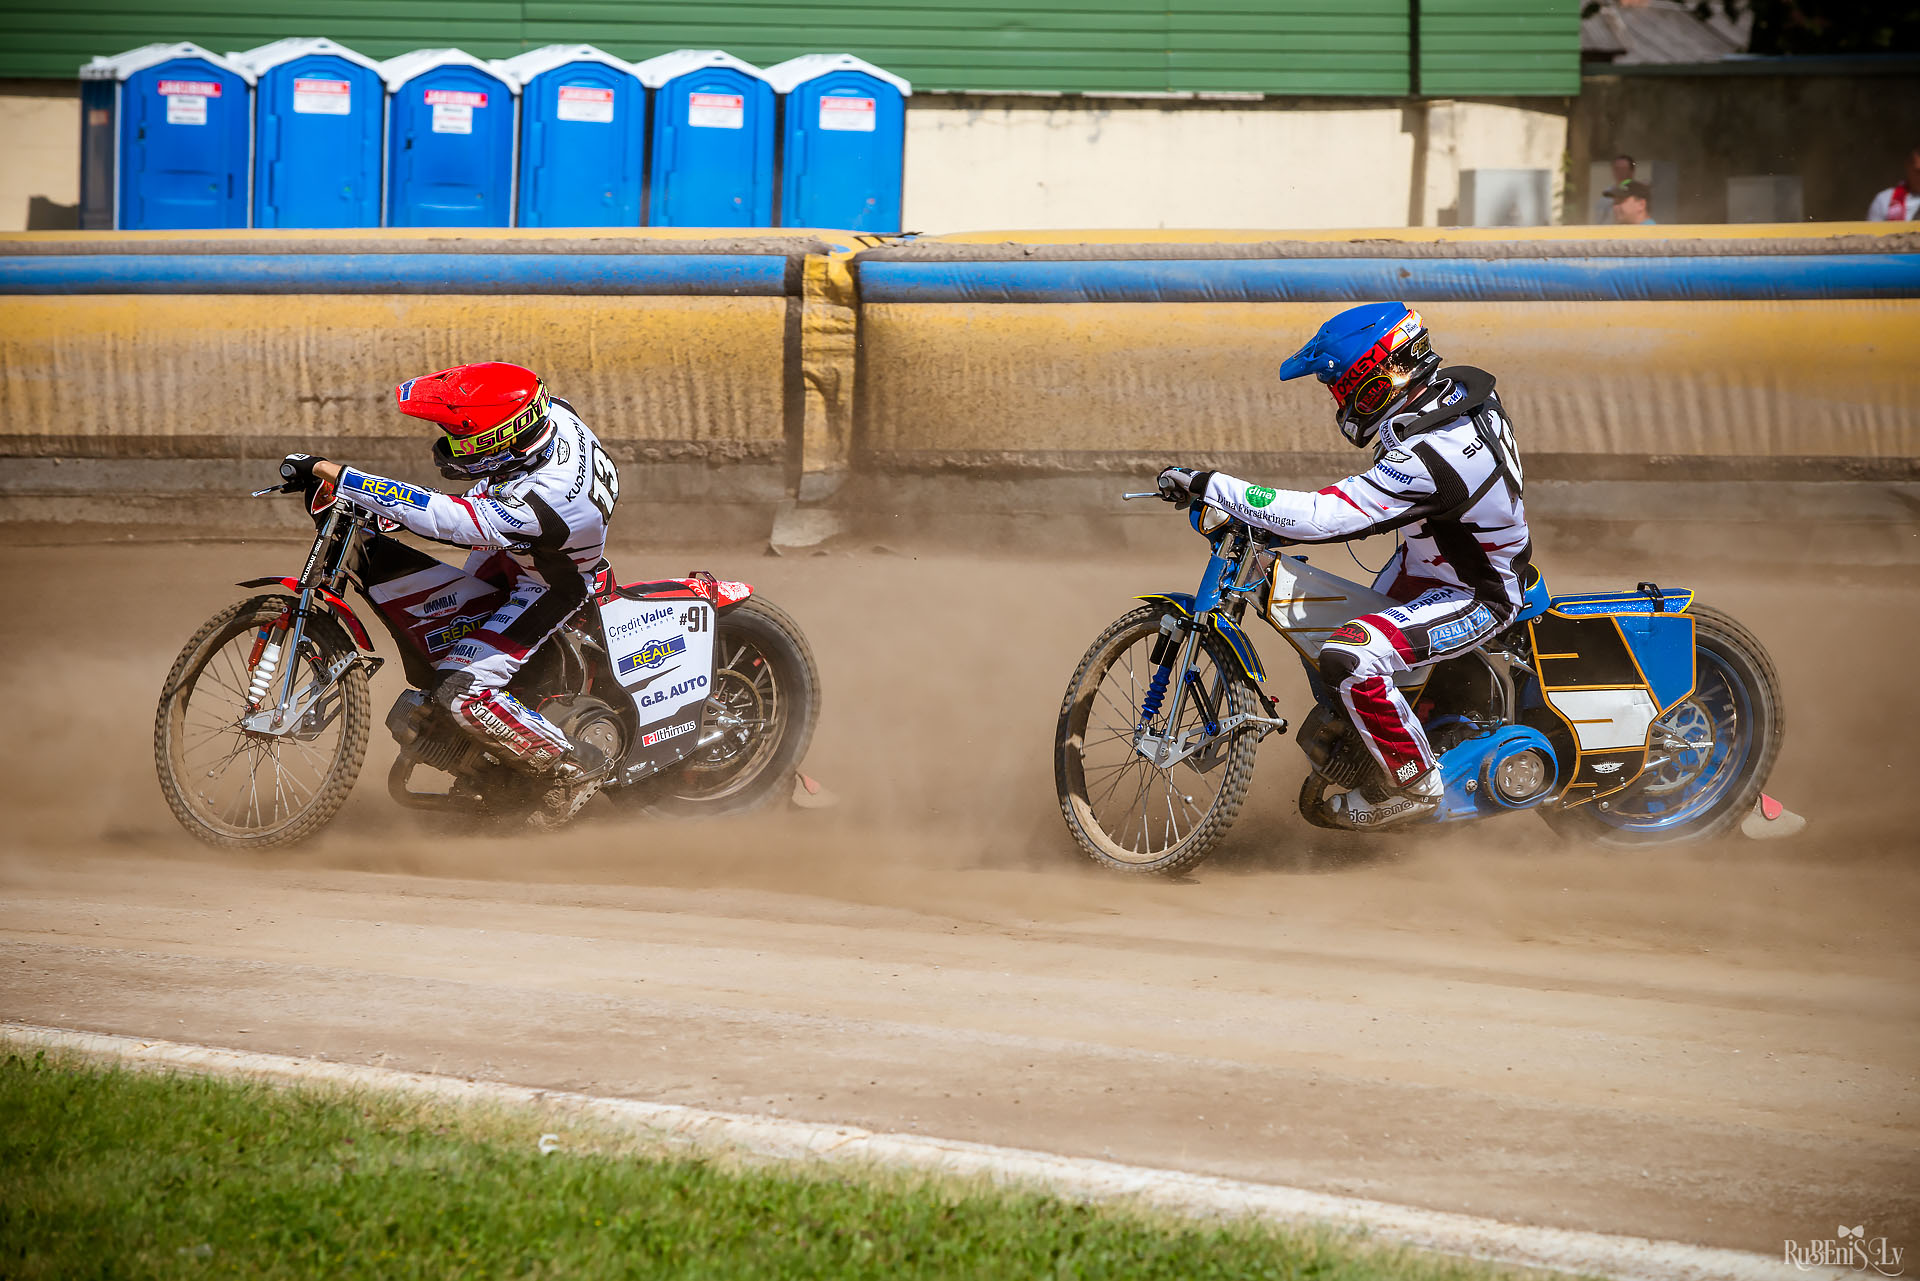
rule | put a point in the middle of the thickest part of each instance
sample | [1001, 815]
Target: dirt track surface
[1717, 1045]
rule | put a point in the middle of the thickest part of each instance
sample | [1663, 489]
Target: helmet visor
[497, 439]
[1384, 384]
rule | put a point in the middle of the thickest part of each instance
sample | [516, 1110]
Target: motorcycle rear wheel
[1112, 797]
[766, 687]
[1698, 794]
[240, 790]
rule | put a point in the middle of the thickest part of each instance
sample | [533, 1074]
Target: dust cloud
[1538, 1029]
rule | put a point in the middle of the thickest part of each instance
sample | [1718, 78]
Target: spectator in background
[1623, 167]
[1900, 202]
[1630, 200]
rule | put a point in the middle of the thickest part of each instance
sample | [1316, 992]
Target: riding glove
[1183, 485]
[297, 470]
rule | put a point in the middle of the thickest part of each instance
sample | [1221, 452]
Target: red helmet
[495, 416]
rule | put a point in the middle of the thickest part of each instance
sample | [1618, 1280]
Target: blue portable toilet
[843, 140]
[165, 137]
[450, 136]
[712, 162]
[583, 138]
[318, 108]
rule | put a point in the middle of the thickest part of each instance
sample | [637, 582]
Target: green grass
[106, 1172]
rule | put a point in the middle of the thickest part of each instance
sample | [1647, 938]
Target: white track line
[1077, 1178]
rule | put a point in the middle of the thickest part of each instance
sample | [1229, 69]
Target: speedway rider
[545, 494]
[1445, 473]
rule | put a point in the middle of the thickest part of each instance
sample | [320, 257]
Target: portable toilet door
[583, 116]
[712, 149]
[843, 137]
[318, 108]
[98, 153]
[450, 131]
[180, 120]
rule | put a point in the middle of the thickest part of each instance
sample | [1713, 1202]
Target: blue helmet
[1373, 358]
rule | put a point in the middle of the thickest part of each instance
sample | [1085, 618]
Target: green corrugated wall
[1476, 48]
[1123, 46]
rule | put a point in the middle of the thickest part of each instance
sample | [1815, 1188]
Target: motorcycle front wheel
[1733, 722]
[1125, 812]
[234, 787]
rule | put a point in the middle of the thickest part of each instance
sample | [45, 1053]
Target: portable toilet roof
[119, 66]
[268, 56]
[525, 66]
[404, 67]
[655, 72]
[785, 76]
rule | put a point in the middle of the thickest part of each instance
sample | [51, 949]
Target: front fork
[1174, 651]
[270, 714]
[1165, 750]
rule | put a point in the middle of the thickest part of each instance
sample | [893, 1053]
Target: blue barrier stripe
[758, 274]
[1409, 279]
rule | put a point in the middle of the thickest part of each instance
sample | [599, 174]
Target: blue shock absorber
[1156, 694]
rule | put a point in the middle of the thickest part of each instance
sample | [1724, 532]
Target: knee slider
[454, 687]
[1337, 664]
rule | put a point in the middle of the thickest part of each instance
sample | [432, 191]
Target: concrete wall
[1047, 163]
[1846, 136]
[1615, 390]
[167, 370]
[39, 155]
[716, 379]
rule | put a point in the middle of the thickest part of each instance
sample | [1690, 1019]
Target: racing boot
[1374, 805]
[570, 785]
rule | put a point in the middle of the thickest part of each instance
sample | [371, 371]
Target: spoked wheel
[231, 785]
[1708, 757]
[759, 717]
[1125, 812]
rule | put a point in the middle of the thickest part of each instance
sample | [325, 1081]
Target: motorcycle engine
[429, 738]
[1333, 749]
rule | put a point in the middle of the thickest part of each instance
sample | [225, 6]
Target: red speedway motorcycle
[704, 693]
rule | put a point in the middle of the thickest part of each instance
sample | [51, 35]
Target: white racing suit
[1446, 473]
[552, 523]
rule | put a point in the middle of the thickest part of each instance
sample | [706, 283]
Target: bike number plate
[662, 654]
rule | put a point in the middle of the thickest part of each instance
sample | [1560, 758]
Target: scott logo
[652, 654]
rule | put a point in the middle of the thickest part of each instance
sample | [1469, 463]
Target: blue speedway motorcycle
[1628, 718]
